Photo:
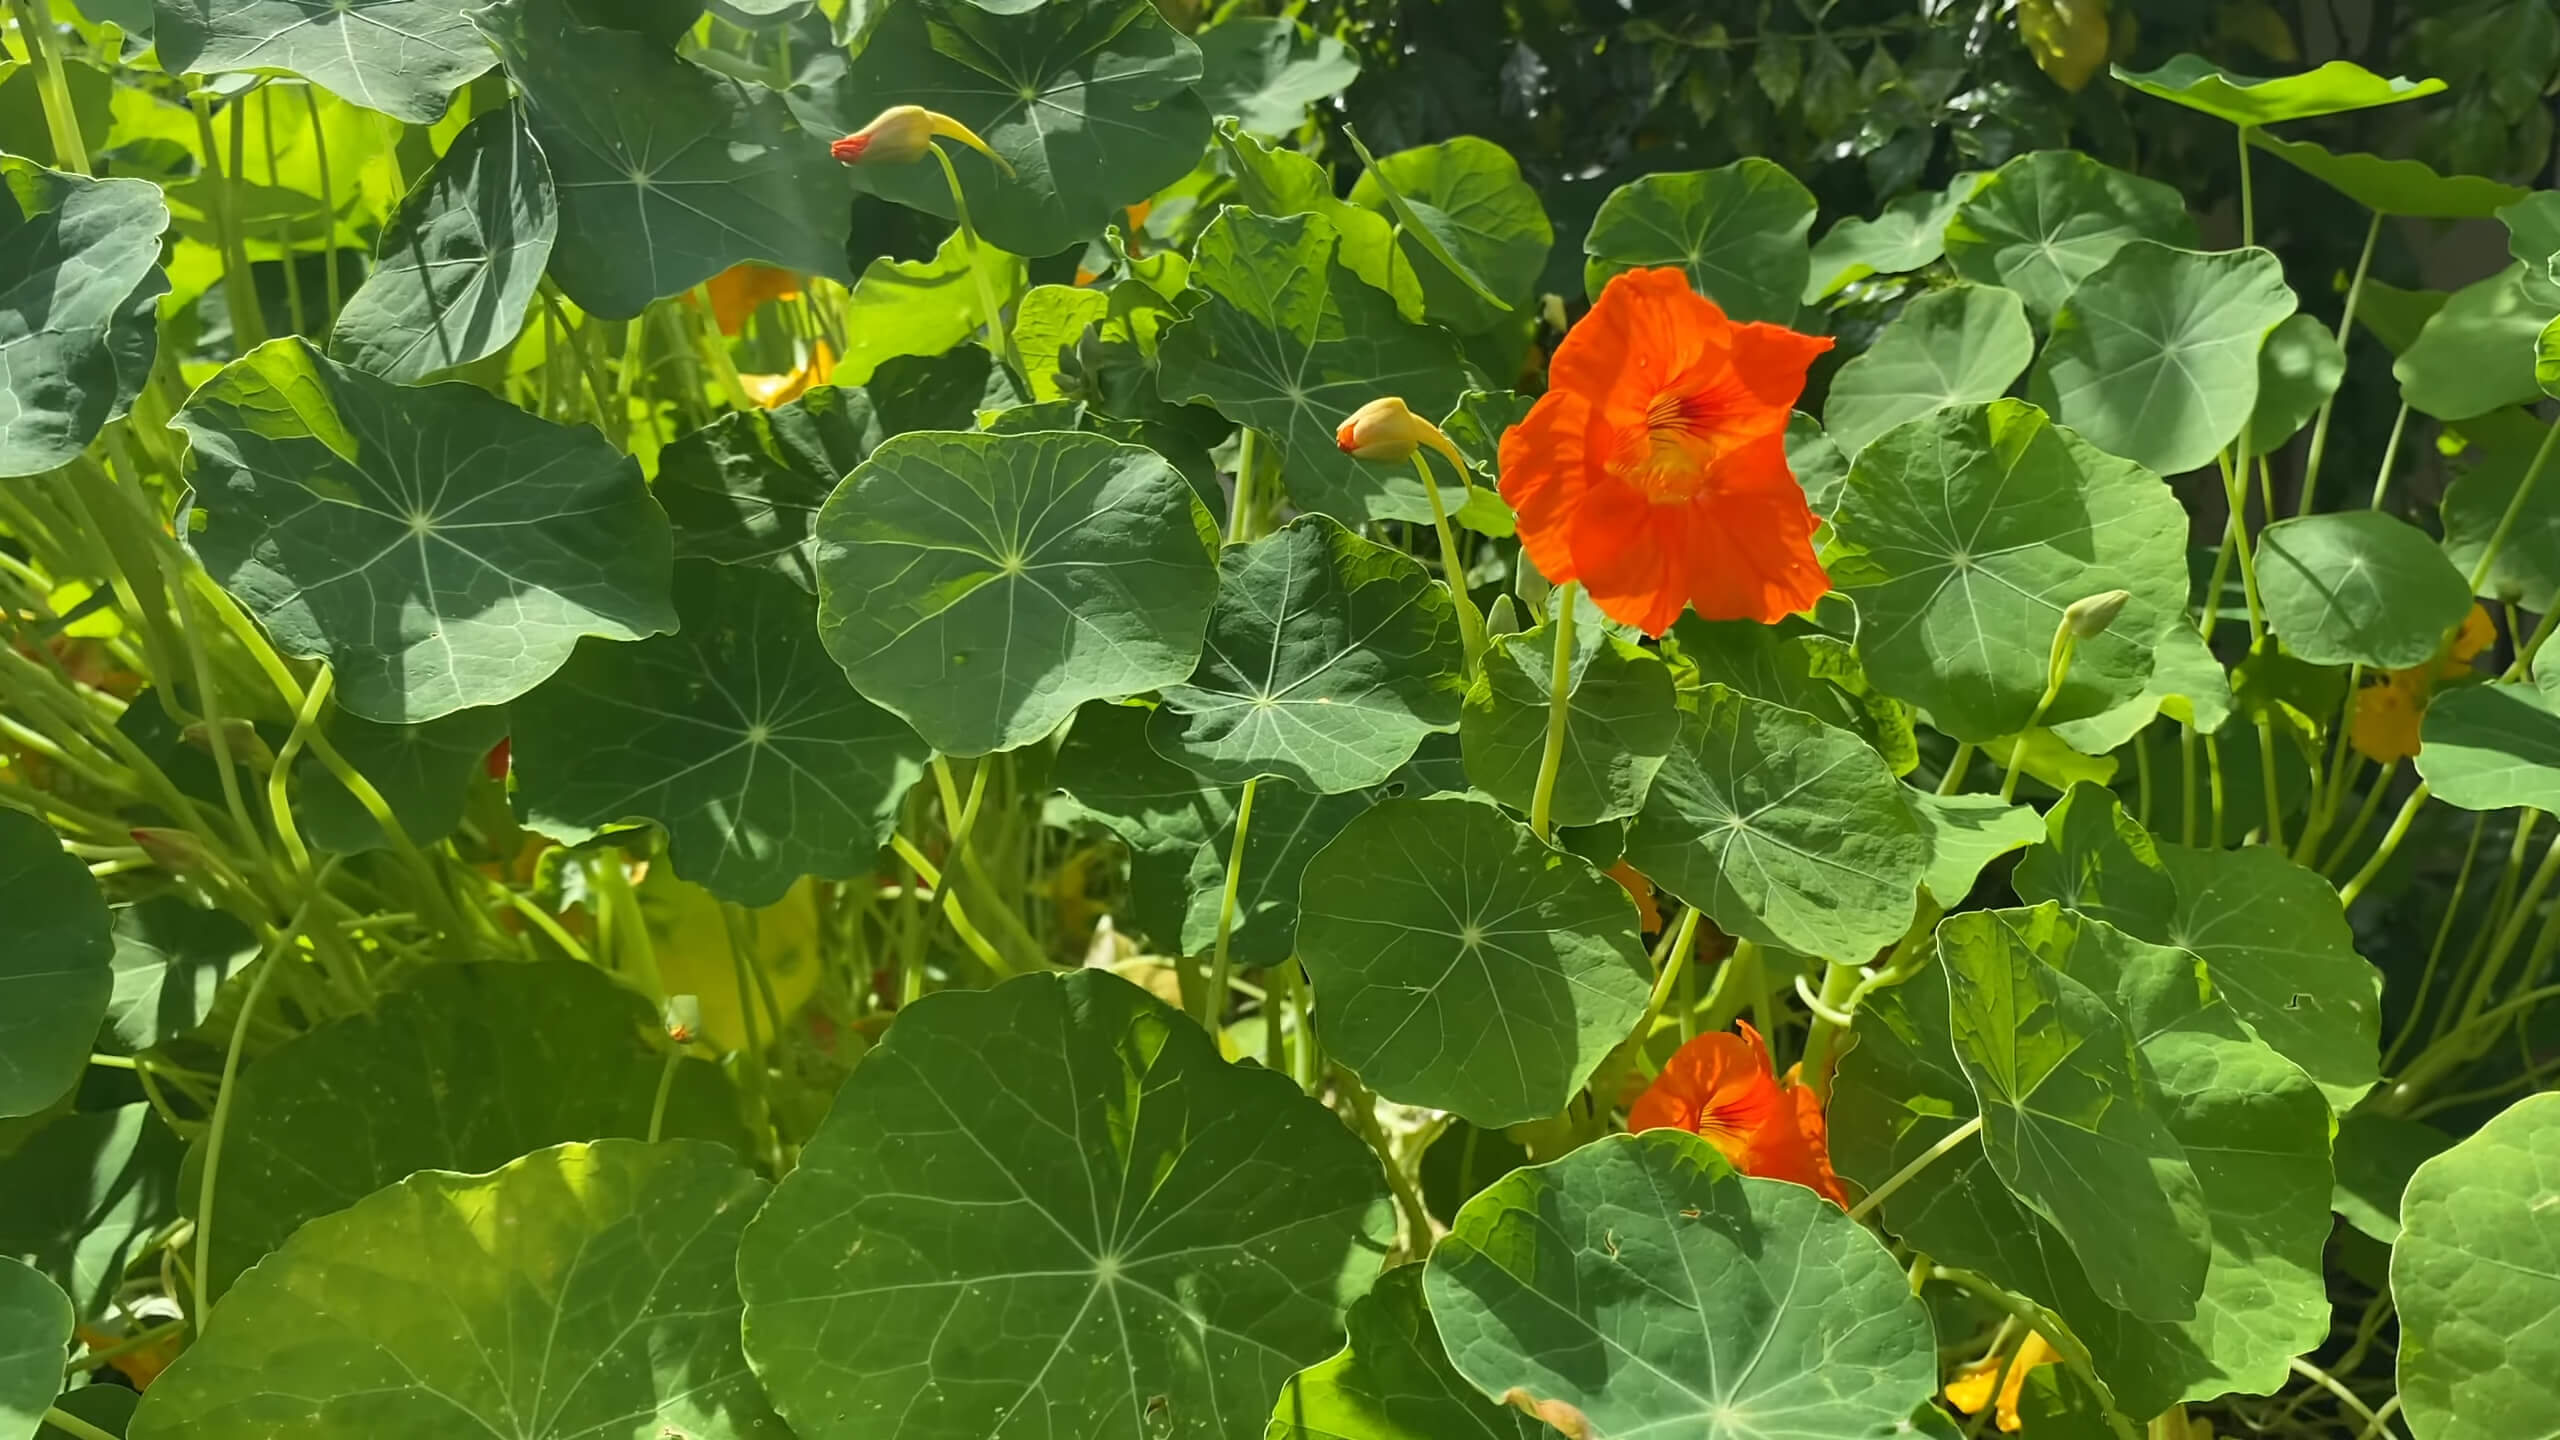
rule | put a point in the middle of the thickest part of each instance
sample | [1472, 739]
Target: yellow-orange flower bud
[903, 134]
[1387, 430]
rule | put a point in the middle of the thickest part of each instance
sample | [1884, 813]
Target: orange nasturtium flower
[1721, 1087]
[2388, 710]
[1970, 1391]
[1654, 470]
[770, 391]
[738, 290]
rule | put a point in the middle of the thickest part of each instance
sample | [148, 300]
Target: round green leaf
[2071, 1115]
[2155, 356]
[1266, 71]
[2271, 932]
[2476, 354]
[2299, 368]
[2338, 86]
[2049, 218]
[581, 1290]
[171, 959]
[1469, 225]
[736, 733]
[2488, 747]
[1290, 342]
[1782, 829]
[745, 489]
[1910, 233]
[2499, 451]
[2394, 187]
[1328, 658]
[464, 1069]
[80, 1197]
[1050, 1208]
[55, 971]
[1962, 345]
[1091, 104]
[668, 173]
[1738, 230]
[2359, 587]
[1392, 1381]
[921, 308]
[2473, 1281]
[423, 772]
[1640, 1286]
[1621, 723]
[79, 313]
[35, 1329]
[1964, 535]
[404, 58]
[460, 258]
[1966, 833]
[1464, 965]
[439, 547]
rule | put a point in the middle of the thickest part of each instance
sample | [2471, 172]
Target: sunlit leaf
[1966, 833]
[2298, 370]
[404, 58]
[2339, 85]
[2488, 747]
[1738, 231]
[440, 548]
[981, 587]
[1469, 226]
[1463, 964]
[2048, 219]
[2471, 1276]
[55, 972]
[1392, 1381]
[1910, 233]
[922, 307]
[2476, 354]
[78, 313]
[2359, 587]
[1051, 1208]
[745, 489]
[1961, 345]
[2394, 186]
[1266, 71]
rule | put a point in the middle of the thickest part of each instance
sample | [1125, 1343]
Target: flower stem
[997, 335]
[2515, 510]
[2390, 845]
[63, 1420]
[1214, 1003]
[1453, 569]
[280, 775]
[1240, 509]
[70, 151]
[278, 951]
[2346, 332]
[328, 204]
[1920, 1162]
[1559, 709]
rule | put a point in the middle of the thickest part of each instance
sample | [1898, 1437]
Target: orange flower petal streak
[1654, 470]
[1720, 1087]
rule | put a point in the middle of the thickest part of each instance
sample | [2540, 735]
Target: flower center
[1685, 434]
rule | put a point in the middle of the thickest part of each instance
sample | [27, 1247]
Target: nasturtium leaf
[2048, 219]
[1180, 830]
[460, 258]
[1821, 466]
[667, 173]
[1910, 233]
[465, 1068]
[171, 958]
[1048, 325]
[2187, 684]
[1622, 723]
[1781, 829]
[79, 1197]
[2489, 747]
[439, 547]
[1640, 1286]
[79, 319]
[1050, 1208]
[2395, 186]
[35, 1331]
[55, 970]
[585, 1289]
[2071, 1114]
[1267, 70]
[736, 733]
[1966, 833]
[404, 58]
[1964, 535]
[1392, 1381]
[2473, 1282]
[423, 772]
[2358, 587]
[2155, 356]
[1961, 345]
[2487, 474]
[745, 489]
[2376, 1155]
[2476, 354]
[1089, 102]
[2271, 932]
[1290, 342]
[2338, 86]
[1465, 965]
[1737, 230]
[2299, 368]
[1461, 205]
[981, 587]
[1275, 180]
[1328, 658]
[903, 308]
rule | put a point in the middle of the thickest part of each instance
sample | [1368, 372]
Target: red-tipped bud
[904, 134]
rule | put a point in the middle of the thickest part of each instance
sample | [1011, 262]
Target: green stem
[1363, 1110]
[2390, 845]
[752, 1060]
[284, 229]
[1240, 510]
[239, 286]
[2235, 490]
[2267, 768]
[1213, 1005]
[271, 960]
[2390, 457]
[2374, 795]
[1952, 782]
[2346, 332]
[1559, 710]
[997, 334]
[666, 1087]
[2515, 510]
[280, 776]
[328, 203]
[63, 1420]
[1453, 570]
[967, 862]
[2435, 952]
[2248, 193]
[62, 120]
[2533, 645]
[1910, 1172]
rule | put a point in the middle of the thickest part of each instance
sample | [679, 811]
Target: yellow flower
[738, 290]
[2388, 710]
[1971, 1390]
[770, 391]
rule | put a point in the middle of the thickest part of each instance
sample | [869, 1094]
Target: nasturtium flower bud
[902, 134]
[2090, 615]
[1387, 430]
